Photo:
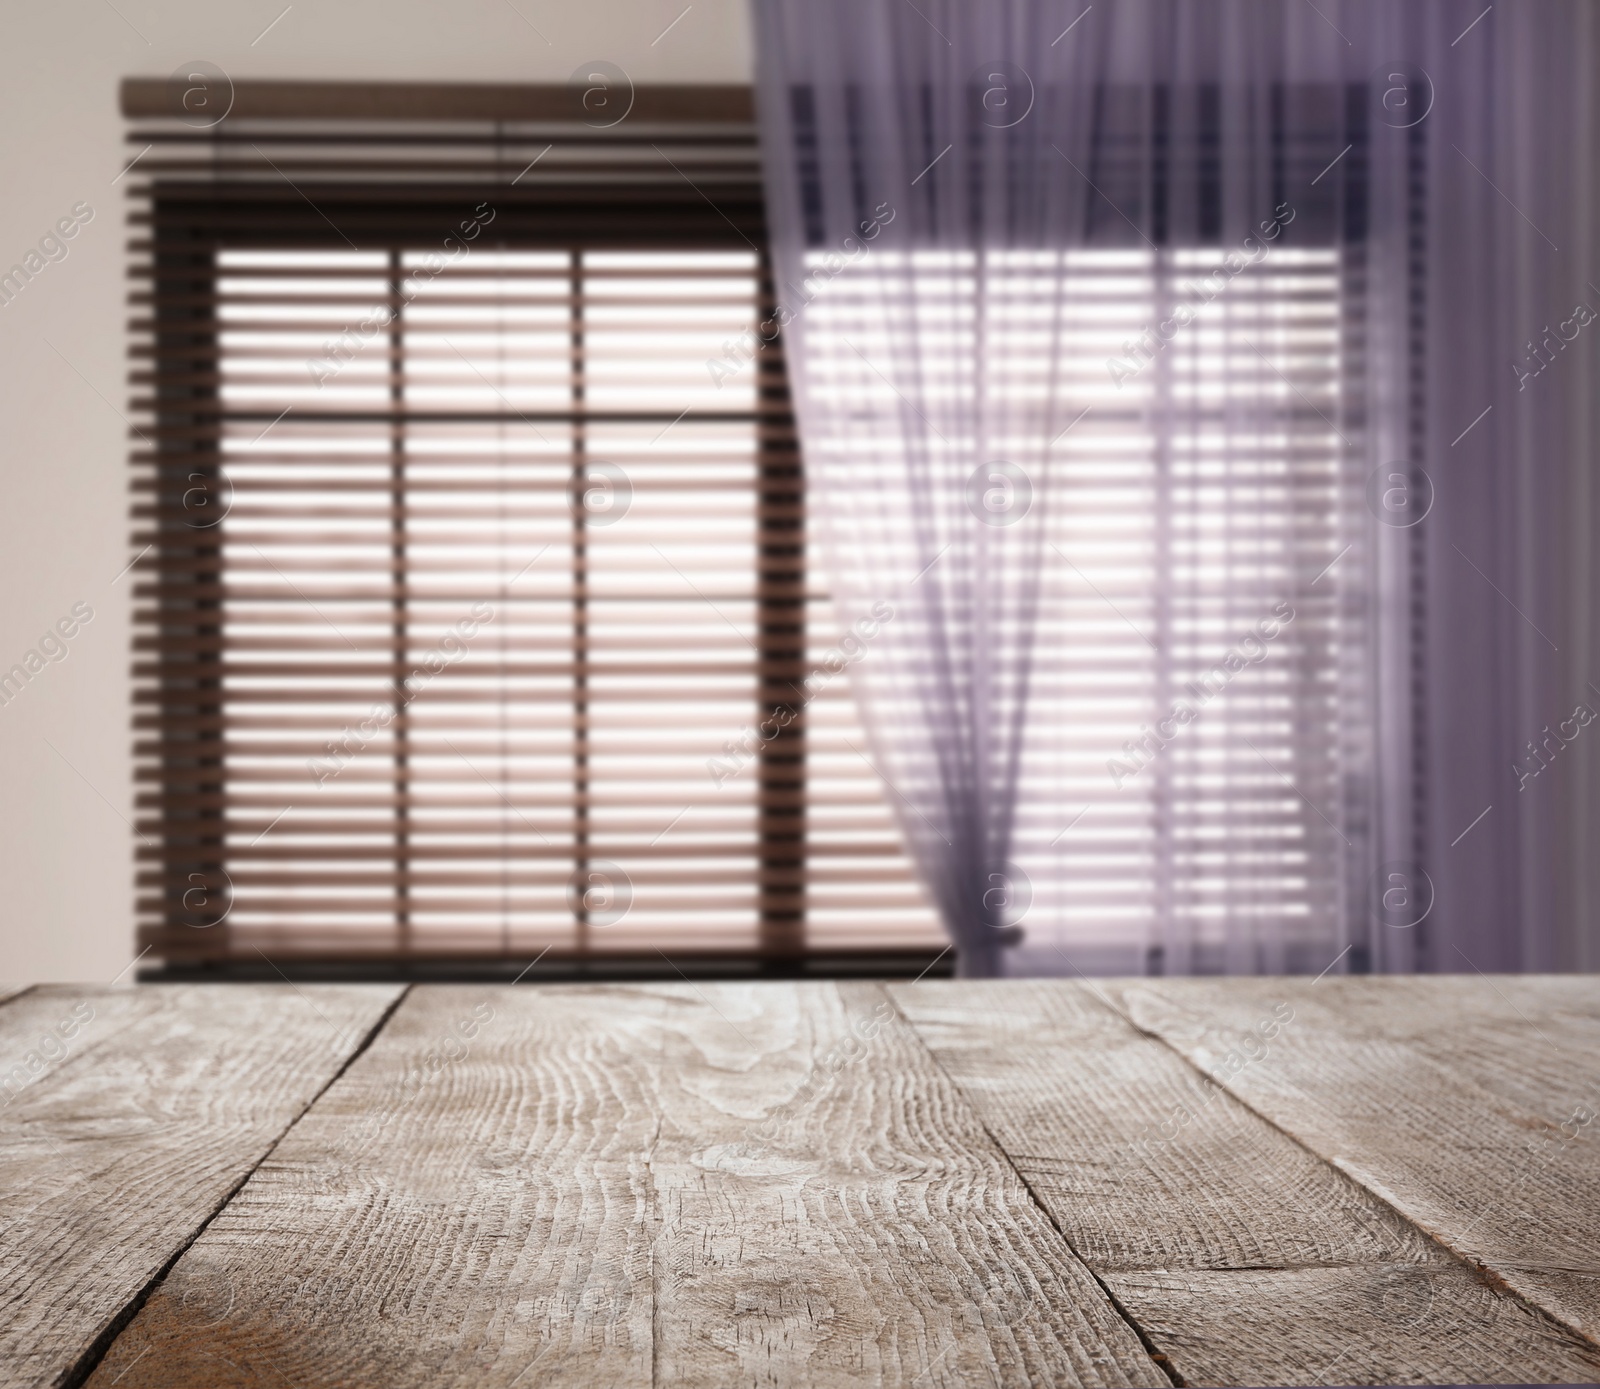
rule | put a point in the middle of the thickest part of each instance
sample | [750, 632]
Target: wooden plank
[469, 1204]
[611, 1186]
[833, 1213]
[1240, 1254]
[129, 1114]
[1378, 1324]
[1467, 1103]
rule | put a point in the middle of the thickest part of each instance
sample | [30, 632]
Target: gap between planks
[1229, 1210]
[794, 1225]
[78, 1374]
[138, 1107]
[1019, 1167]
[1486, 1275]
[1162, 1361]
[1354, 1022]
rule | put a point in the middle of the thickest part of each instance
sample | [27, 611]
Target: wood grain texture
[1374, 1324]
[615, 1187]
[1242, 1256]
[469, 1205]
[1467, 1103]
[138, 1110]
[834, 1214]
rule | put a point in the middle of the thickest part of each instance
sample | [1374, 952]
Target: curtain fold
[1139, 351]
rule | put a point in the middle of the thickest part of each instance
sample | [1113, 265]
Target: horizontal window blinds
[477, 612]
[1198, 669]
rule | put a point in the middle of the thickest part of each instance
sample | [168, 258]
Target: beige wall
[66, 860]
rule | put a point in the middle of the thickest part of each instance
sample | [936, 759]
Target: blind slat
[333, 751]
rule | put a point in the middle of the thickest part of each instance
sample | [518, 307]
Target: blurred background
[66, 846]
[1189, 567]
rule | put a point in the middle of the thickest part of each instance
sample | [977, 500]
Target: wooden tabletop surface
[1131, 1182]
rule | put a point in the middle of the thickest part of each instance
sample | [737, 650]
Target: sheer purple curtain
[1513, 636]
[1199, 400]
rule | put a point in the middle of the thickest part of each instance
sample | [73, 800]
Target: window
[1197, 500]
[1200, 505]
[1193, 793]
[479, 610]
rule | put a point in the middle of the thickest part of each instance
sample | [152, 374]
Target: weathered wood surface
[129, 1115]
[1467, 1103]
[833, 1213]
[1240, 1254]
[794, 1184]
[730, 1185]
[468, 1205]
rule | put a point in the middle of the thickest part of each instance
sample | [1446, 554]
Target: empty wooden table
[1150, 1182]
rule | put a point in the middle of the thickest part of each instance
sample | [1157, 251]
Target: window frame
[184, 890]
